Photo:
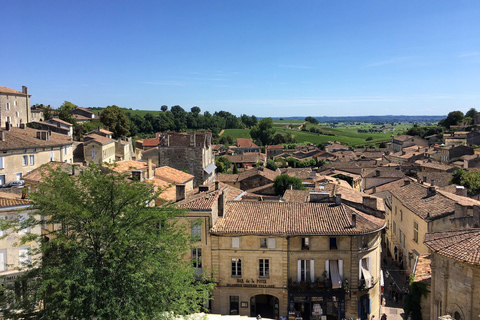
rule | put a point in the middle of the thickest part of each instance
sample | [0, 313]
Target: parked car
[14, 184]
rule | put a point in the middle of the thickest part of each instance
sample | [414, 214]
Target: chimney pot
[354, 220]
[338, 199]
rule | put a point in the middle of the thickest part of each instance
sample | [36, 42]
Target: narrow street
[395, 284]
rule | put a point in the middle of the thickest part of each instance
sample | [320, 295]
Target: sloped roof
[460, 245]
[170, 174]
[246, 143]
[290, 218]
[264, 172]
[9, 202]
[296, 195]
[197, 200]
[37, 174]
[17, 138]
[128, 165]
[9, 90]
[97, 138]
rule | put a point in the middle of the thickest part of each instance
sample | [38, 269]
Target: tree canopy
[116, 120]
[263, 132]
[112, 255]
[65, 112]
[311, 120]
[284, 181]
[453, 118]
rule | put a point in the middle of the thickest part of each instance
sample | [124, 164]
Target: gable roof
[172, 175]
[17, 138]
[9, 90]
[93, 137]
[460, 245]
[290, 218]
[197, 200]
[37, 174]
[264, 172]
[246, 143]
[128, 165]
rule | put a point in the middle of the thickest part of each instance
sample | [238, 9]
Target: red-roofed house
[246, 145]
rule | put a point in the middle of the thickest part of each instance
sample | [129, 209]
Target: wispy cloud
[395, 60]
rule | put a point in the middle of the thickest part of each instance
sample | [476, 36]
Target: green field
[344, 133]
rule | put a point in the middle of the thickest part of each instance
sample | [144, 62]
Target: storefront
[317, 306]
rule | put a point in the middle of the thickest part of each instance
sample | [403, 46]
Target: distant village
[365, 224]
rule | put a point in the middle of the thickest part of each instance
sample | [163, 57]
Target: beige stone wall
[17, 111]
[9, 243]
[14, 159]
[103, 153]
[455, 288]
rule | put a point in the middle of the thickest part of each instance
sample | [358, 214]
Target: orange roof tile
[128, 165]
[460, 245]
[170, 174]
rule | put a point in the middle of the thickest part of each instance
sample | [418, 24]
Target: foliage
[468, 179]
[284, 182]
[235, 169]
[423, 131]
[223, 164]
[114, 117]
[226, 140]
[471, 113]
[164, 108]
[65, 112]
[263, 132]
[47, 112]
[453, 118]
[112, 256]
[271, 165]
[412, 306]
[311, 120]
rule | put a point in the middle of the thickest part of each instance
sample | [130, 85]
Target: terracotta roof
[17, 138]
[384, 172]
[415, 197]
[246, 143]
[170, 174]
[97, 138]
[434, 165]
[168, 191]
[290, 218]
[9, 90]
[351, 195]
[8, 202]
[37, 174]
[460, 245]
[225, 177]
[197, 200]
[403, 137]
[386, 186]
[441, 179]
[128, 165]
[248, 157]
[264, 172]
[278, 146]
[61, 121]
[105, 131]
[423, 271]
[296, 195]
[301, 173]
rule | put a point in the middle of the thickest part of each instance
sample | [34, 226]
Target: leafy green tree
[113, 257]
[164, 108]
[117, 121]
[311, 120]
[471, 113]
[65, 112]
[47, 112]
[223, 164]
[271, 165]
[453, 118]
[263, 132]
[283, 182]
[235, 169]
[468, 179]
[195, 110]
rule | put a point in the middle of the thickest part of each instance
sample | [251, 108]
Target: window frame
[236, 267]
[415, 231]
[264, 268]
[305, 243]
[333, 243]
[196, 231]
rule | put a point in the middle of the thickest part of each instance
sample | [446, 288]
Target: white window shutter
[3, 260]
[235, 242]
[22, 217]
[299, 270]
[327, 267]
[360, 269]
[340, 268]
[369, 266]
[312, 270]
[271, 243]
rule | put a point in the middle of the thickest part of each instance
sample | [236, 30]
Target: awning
[366, 275]
[335, 275]
[210, 168]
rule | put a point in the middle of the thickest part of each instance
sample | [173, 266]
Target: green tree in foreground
[284, 181]
[468, 179]
[112, 256]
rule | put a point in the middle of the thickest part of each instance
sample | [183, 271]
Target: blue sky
[261, 57]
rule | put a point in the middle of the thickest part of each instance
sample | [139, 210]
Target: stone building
[14, 107]
[455, 281]
[24, 149]
[190, 151]
[98, 148]
[278, 259]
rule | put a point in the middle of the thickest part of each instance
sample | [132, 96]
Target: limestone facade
[14, 107]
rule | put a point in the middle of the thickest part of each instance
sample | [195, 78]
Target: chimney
[150, 171]
[217, 185]
[461, 191]
[7, 125]
[433, 183]
[137, 175]
[369, 202]
[338, 199]
[222, 201]
[377, 173]
[406, 182]
[203, 188]
[374, 189]
[424, 179]
[354, 220]
[24, 90]
[431, 191]
[180, 188]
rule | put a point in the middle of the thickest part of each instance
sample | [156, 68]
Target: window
[52, 158]
[263, 242]
[24, 256]
[401, 215]
[32, 159]
[14, 103]
[333, 243]
[235, 242]
[263, 268]
[94, 154]
[7, 106]
[305, 270]
[365, 273]
[234, 305]
[305, 244]
[271, 243]
[17, 114]
[19, 176]
[2, 179]
[236, 267]
[3, 260]
[24, 160]
[197, 259]
[415, 231]
[196, 231]
[1, 163]
[21, 218]
[334, 269]
[394, 228]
